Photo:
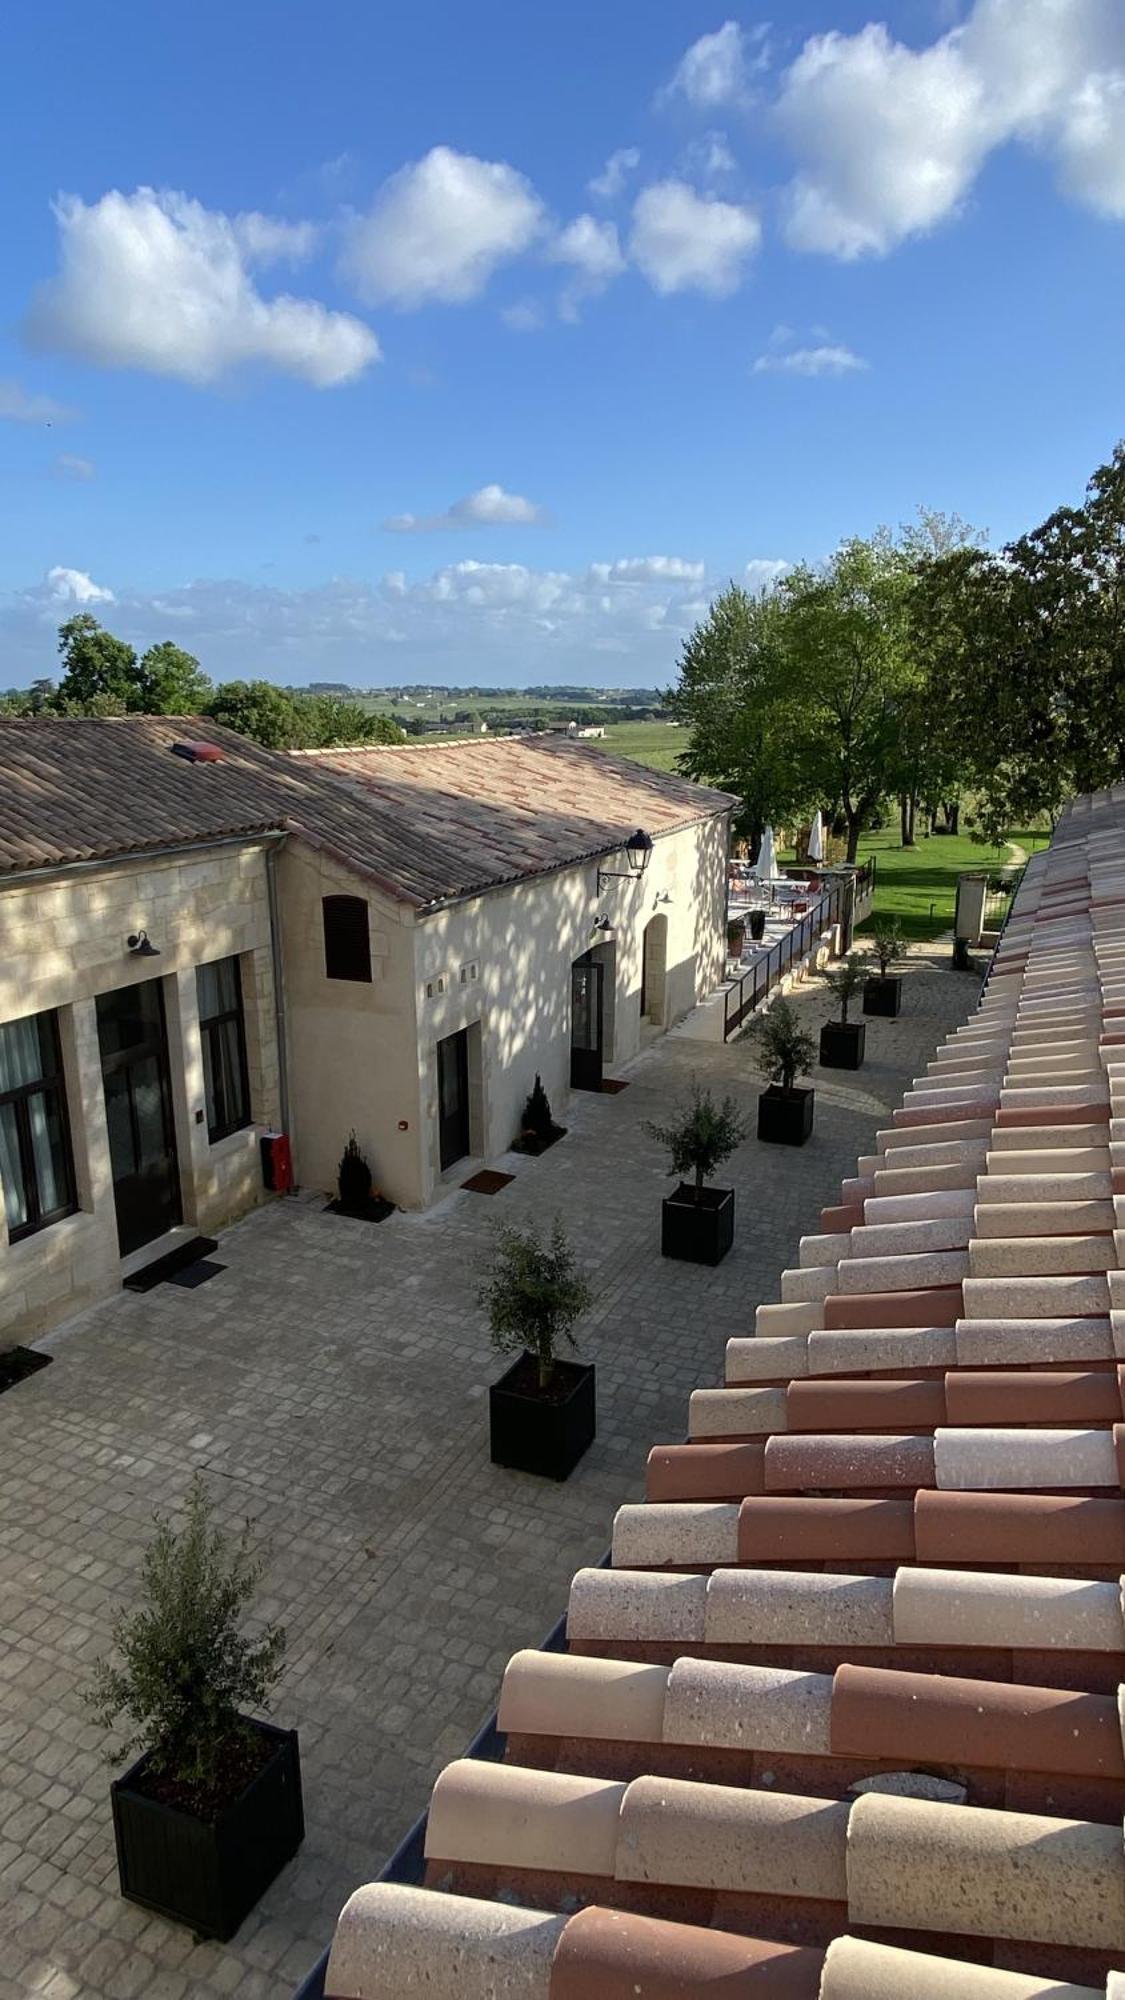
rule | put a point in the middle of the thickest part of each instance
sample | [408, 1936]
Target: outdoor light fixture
[603, 924]
[638, 851]
[141, 945]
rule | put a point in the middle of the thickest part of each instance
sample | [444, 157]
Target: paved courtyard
[332, 1385]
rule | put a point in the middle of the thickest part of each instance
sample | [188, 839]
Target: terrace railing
[747, 992]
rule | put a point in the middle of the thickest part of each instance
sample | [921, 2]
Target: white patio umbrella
[816, 838]
[765, 867]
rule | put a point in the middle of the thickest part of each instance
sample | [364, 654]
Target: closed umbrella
[765, 867]
[816, 839]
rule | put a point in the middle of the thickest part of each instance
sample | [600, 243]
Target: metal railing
[748, 992]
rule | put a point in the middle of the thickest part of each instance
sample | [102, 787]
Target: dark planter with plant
[537, 1127]
[757, 925]
[882, 992]
[842, 1042]
[785, 1052]
[356, 1195]
[542, 1412]
[210, 1813]
[736, 937]
[697, 1222]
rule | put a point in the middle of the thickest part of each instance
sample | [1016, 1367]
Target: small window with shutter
[347, 940]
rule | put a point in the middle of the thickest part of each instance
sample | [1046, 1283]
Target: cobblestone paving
[332, 1384]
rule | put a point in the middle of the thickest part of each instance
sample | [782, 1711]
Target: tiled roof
[842, 1719]
[516, 806]
[75, 789]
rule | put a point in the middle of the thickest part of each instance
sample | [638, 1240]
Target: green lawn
[918, 885]
[655, 743]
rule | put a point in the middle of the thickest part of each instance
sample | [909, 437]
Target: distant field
[655, 743]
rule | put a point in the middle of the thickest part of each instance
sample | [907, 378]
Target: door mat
[488, 1181]
[196, 1274]
[17, 1363]
[166, 1267]
[612, 1084]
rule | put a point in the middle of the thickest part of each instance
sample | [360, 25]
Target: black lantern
[638, 851]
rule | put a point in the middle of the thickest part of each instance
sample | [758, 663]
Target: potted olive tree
[697, 1222]
[842, 1041]
[785, 1052]
[542, 1413]
[212, 1810]
[882, 992]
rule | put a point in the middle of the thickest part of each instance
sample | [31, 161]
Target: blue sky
[481, 344]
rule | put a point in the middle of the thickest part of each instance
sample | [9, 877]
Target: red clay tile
[943, 1719]
[912, 1405]
[942, 1114]
[705, 1471]
[940, 1305]
[848, 1216]
[615, 1955]
[772, 1528]
[1018, 1528]
[825, 1463]
[1056, 1114]
[1008, 1396]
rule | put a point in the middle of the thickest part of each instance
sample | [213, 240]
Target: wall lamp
[603, 924]
[638, 853]
[141, 945]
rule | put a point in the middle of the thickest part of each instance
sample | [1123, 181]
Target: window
[223, 1034]
[347, 941]
[35, 1157]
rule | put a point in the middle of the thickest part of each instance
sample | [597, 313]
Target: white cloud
[440, 227]
[263, 239]
[683, 241]
[607, 185]
[708, 158]
[889, 140]
[488, 507]
[467, 622]
[155, 281]
[19, 406]
[717, 68]
[525, 316]
[591, 249]
[828, 358]
[762, 572]
[73, 586]
[68, 465]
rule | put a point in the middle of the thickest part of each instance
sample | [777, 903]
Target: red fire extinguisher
[277, 1162]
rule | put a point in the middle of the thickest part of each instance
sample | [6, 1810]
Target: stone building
[202, 941]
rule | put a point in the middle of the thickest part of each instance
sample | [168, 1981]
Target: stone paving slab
[332, 1385]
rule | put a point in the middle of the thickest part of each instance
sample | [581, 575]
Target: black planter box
[785, 1117]
[883, 996]
[530, 1433]
[841, 1044]
[757, 925]
[210, 1873]
[698, 1232]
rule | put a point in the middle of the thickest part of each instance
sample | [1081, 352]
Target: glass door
[138, 1108]
[586, 1024]
[453, 1098]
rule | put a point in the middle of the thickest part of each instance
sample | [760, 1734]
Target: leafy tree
[701, 1136]
[534, 1294]
[845, 981]
[259, 710]
[736, 691]
[94, 663]
[785, 1050]
[171, 681]
[186, 1667]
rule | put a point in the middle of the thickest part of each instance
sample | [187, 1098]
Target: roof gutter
[132, 855]
[451, 902]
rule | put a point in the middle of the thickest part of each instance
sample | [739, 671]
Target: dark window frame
[210, 1036]
[51, 1085]
[347, 941]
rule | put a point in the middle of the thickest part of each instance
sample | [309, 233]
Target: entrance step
[189, 1250]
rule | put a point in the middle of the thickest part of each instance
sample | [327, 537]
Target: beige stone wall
[353, 1046]
[62, 942]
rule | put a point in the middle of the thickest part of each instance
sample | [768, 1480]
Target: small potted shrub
[356, 1195]
[757, 925]
[736, 937]
[537, 1127]
[697, 1222]
[882, 992]
[542, 1413]
[785, 1051]
[212, 1810]
[842, 1041]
